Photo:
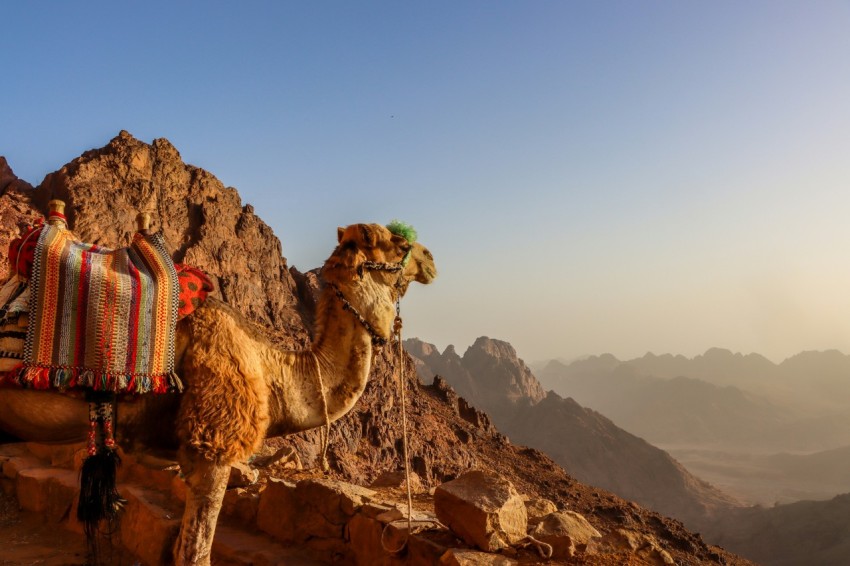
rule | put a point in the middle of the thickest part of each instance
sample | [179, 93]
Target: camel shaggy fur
[239, 388]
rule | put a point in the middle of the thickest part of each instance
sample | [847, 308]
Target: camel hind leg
[207, 482]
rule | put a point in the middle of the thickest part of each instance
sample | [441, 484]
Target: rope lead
[324, 432]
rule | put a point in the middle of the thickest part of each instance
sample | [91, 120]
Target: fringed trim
[8, 378]
[64, 378]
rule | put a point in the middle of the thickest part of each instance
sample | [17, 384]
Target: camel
[239, 388]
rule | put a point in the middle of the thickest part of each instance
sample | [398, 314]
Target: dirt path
[27, 540]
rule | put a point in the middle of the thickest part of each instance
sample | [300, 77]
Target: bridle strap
[377, 339]
[381, 266]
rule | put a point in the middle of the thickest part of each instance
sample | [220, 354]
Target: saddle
[95, 318]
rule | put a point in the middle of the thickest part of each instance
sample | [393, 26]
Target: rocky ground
[27, 539]
[306, 518]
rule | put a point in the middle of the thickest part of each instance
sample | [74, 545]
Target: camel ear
[370, 239]
[401, 242]
[339, 232]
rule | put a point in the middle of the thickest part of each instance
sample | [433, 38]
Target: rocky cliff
[208, 226]
[586, 443]
[490, 374]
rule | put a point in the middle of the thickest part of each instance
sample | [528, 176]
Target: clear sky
[591, 176]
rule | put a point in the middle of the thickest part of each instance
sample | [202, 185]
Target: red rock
[147, 529]
[567, 532]
[63, 490]
[537, 509]
[397, 479]
[483, 509]
[31, 486]
[242, 475]
[277, 510]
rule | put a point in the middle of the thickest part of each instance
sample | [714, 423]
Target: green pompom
[400, 228]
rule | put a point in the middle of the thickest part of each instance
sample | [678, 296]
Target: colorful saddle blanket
[101, 319]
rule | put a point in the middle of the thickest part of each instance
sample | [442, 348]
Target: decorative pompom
[400, 228]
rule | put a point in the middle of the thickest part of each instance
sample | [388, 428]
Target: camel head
[359, 246]
[372, 266]
[420, 267]
[362, 245]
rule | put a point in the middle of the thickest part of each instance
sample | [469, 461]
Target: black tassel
[99, 498]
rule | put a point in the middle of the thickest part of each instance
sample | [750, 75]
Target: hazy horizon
[460, 349]
[619, 177]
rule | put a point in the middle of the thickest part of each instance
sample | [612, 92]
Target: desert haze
[761, 431]
[754, 455]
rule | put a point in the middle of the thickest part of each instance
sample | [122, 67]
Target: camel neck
[343, 350]
[340, 359]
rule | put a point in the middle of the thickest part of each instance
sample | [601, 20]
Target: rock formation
[490, 374]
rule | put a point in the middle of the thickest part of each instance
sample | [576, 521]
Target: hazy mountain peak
[419, 348]
[811, 355]
[720, 354]
[496, 348]
[451, 353]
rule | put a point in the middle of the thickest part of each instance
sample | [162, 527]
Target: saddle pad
[101, 319]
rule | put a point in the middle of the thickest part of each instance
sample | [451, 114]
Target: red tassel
[35, 378]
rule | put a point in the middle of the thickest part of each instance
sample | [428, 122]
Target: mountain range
[588, 445]
[727, 417]
[693, 402]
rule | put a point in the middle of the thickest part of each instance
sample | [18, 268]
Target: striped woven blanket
[101, 319]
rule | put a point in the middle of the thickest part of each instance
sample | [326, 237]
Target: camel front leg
[207, 483]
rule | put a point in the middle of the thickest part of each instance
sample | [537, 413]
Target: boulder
[309, 509]
[483, 509]
[278, 509]
[242, 475]
[567, 532]
[241, 505]
[537, 509]
[642, 545]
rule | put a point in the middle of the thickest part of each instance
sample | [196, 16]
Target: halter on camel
[407, 232]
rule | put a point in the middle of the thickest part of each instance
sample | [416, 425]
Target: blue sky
[591, 176]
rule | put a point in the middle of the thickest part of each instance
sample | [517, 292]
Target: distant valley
[747, 425]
